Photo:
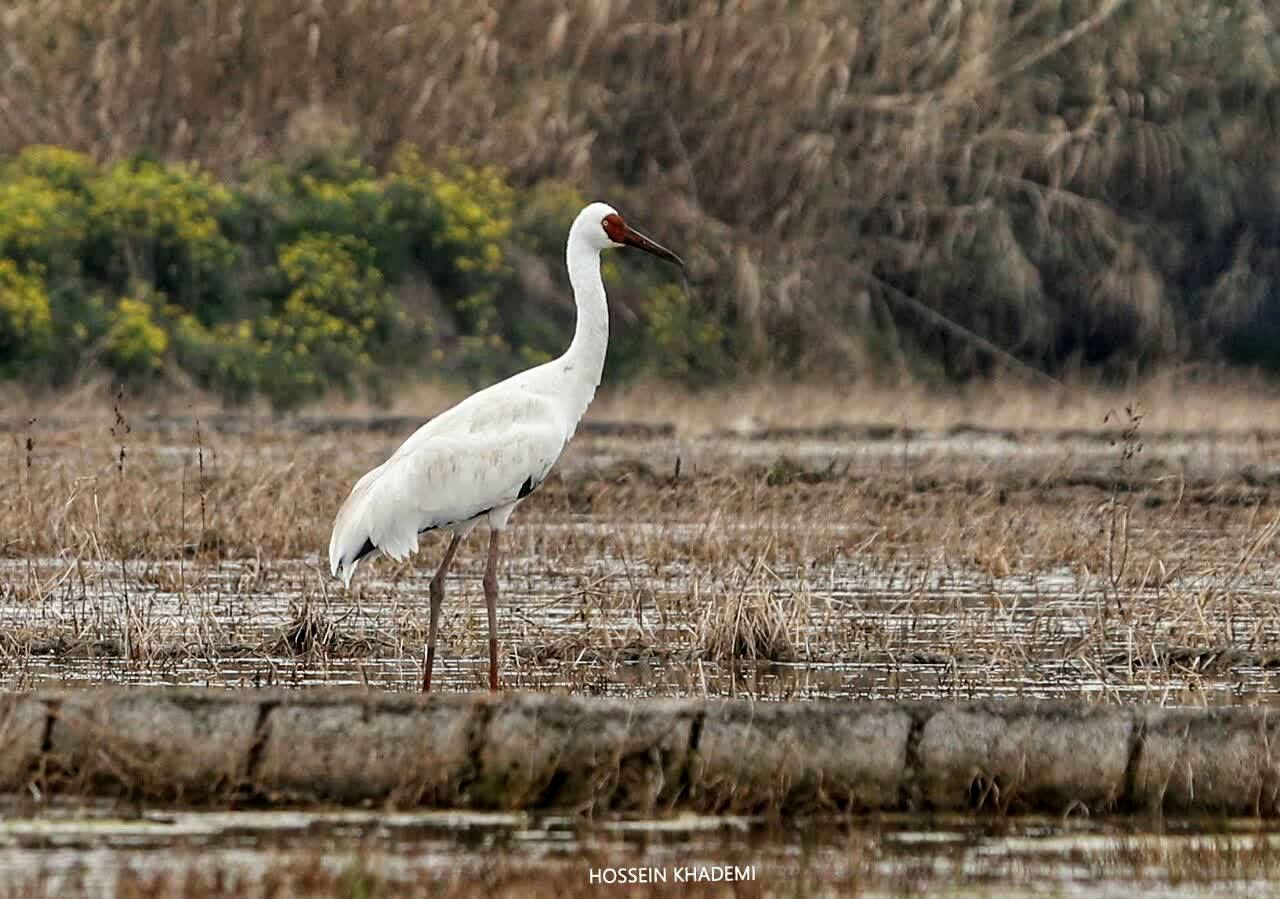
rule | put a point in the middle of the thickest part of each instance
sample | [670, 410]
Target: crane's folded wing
[446, 480]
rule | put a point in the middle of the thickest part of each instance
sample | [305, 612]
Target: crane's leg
[437, 600]
[491, 601]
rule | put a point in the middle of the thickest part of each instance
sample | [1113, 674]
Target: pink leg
[437, 600]
[491, 601]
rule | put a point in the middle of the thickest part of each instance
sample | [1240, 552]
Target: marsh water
[1067, 590]
[104, 849]
[915, 631]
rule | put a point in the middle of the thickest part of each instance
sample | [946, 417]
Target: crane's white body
[477, 460]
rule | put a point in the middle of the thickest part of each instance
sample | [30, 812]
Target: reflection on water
[908, 631]
[94, 849]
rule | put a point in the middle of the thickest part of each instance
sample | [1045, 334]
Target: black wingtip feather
[364, 551]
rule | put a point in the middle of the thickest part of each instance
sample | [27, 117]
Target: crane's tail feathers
[366, 526]
[347, 546]
[343, 564]
[347, 571]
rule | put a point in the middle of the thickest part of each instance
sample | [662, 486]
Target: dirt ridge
[542, 751]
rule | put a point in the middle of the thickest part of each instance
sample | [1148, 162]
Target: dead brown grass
[1187, 400]
[963, 561]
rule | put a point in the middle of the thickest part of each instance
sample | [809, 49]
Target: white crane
[477, 460]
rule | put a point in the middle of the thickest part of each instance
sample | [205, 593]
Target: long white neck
[584, 360]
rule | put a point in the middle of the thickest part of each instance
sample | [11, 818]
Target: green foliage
[228, 358]
[471, 211]
[336, 312]
[41, 222]
[476, 207]
[686, 342]
[135, 344]
[44, 224]
[296, 279]
[62, 168]
[26, 323]
[161, 223]
[323, 194]
[336, 276]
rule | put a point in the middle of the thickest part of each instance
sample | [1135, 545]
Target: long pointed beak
[634, 238]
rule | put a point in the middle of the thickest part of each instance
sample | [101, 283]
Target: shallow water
[599, 605]
[912, 629]
[97, 850]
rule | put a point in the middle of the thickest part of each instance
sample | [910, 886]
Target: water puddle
[101, 849]
[617, 626]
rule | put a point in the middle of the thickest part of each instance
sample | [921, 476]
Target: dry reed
[1002, 171]
[942, 562]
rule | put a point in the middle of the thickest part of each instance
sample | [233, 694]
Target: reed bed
[927, 187]
[1109, 563]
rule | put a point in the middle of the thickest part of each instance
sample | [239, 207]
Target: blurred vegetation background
[274, 198]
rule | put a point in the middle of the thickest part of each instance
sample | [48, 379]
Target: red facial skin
[620, 232]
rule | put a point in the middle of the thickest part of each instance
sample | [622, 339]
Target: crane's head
[602, 227]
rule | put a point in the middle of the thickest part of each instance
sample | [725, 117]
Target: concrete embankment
[527, 751]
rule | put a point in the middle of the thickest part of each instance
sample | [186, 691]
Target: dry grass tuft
[308, 632]
[751, 618]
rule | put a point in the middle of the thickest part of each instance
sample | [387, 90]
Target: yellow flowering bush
[26, 322]
[476, 206]
[64, 169]
[464, 214]
[135, 343]
[161, 222]
[333, 200]
[303, 276]
[336, 312]
[40, 221]
[336, 275]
